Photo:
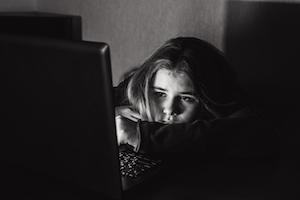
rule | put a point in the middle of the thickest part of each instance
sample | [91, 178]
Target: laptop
[59, 118]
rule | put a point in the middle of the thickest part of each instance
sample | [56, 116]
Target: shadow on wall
[262, 42]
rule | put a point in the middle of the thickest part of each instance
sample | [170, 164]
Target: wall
[18, 5]
[134, 28]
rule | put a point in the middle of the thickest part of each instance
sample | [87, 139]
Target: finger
[131, 117]
[129, 114]
[119, 130]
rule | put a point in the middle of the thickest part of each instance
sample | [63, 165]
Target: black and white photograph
[150, 99]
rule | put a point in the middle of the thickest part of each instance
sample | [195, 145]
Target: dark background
[262, 41]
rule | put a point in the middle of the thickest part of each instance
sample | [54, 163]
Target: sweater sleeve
[226, 137]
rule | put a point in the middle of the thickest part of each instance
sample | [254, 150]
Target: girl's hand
[126, 122]
[127, 112]
[126, 131]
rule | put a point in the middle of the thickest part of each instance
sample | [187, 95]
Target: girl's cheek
[154, 111]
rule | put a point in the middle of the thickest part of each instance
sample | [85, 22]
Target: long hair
[207, 67]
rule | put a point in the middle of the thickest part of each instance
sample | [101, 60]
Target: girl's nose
[170, 107]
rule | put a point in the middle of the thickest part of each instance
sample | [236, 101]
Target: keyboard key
[133, 164]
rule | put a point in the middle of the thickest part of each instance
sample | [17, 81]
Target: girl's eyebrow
[158, 88]
[192, 93]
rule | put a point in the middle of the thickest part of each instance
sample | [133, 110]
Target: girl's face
[174, 99]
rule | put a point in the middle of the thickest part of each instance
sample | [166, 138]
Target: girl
[185, 98]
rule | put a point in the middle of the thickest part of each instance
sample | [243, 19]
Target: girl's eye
[160, 94]
[188, 99]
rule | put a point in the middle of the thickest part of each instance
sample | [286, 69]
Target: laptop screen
[59, 115]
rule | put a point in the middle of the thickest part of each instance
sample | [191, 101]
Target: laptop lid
[58, 113]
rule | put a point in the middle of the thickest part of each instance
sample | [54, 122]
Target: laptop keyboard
[134, 164]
